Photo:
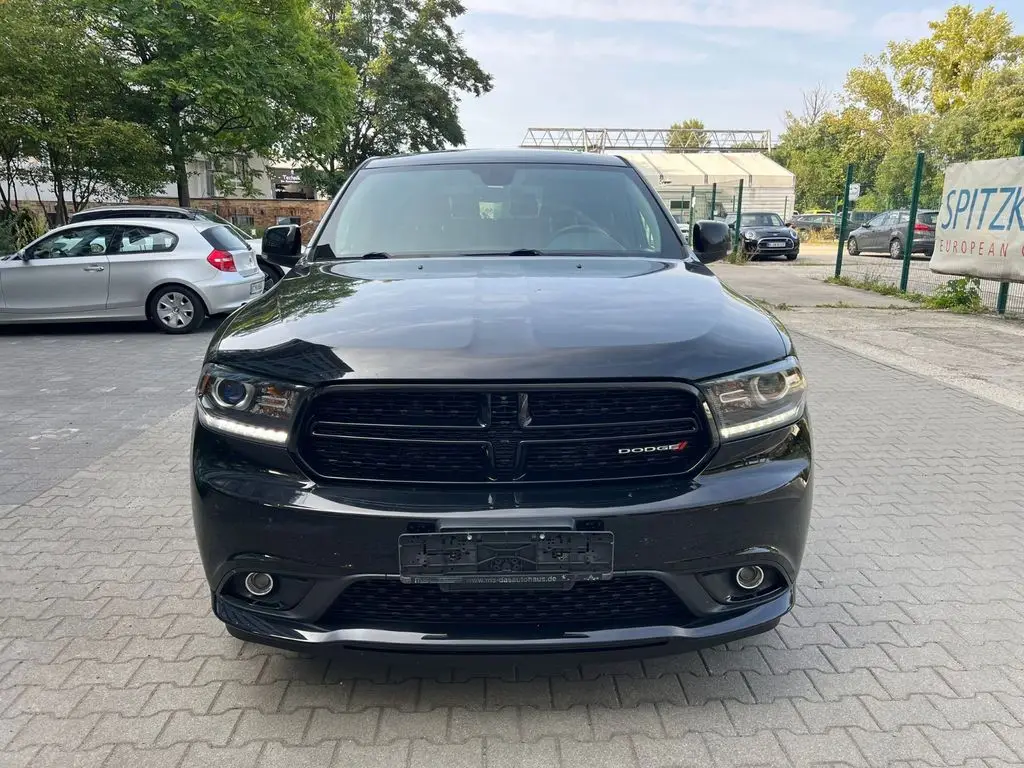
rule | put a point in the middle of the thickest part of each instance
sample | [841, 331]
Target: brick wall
[263, 211]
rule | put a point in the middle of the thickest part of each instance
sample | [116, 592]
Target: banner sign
[980, 229]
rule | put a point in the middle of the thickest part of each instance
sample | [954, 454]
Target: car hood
[500, 319]
[769, 231]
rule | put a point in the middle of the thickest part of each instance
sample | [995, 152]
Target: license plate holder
[501, 559]
[256, 289]
[776, 244]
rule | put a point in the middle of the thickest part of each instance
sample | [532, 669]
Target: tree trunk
[181, 179]
[178, 158]
[58, 192]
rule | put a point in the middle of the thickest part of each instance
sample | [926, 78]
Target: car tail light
[222, 260]
[922, 228]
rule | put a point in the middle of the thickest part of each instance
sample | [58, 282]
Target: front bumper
[226, 293]
[760, 247]
[254, 511]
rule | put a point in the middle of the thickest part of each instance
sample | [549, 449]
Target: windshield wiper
[517, 252]
[376, 255]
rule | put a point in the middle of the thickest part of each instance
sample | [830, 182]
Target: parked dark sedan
[764, 234]
[887, 233]
[499, 407]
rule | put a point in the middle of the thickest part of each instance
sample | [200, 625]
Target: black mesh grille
[522, 435]
[629, 601]
[426, 407]
[561, 407]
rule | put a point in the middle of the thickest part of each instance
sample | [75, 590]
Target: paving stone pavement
[71, 393]
[905, 648]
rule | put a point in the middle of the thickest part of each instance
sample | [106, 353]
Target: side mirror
[711, 241]
[282, 245]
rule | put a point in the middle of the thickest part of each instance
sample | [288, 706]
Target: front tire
[791, 256]
[852, 247]
[895, 249]
[176, 310]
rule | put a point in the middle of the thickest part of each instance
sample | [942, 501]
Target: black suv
[498, 406]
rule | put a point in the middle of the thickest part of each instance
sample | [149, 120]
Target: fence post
[714, 194]
[908, 248]
[739, 219]
[842, 223]
[1004, 287]
[693, 199]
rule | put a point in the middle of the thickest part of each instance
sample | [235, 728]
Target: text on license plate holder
[256, 288]
[499, 559]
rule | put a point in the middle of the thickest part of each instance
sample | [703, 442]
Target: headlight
[246, 406]
[793, 234]
[750, 234]
[758, 401]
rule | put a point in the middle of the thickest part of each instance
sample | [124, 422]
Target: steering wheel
[583, 228]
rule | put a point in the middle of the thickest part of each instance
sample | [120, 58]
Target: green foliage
[962, 294]
[957, 95]
[412, 70]
[221, 77]
[62, 105]
[688, 134]
[18, 229]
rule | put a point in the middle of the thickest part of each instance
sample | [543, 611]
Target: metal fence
[910, 273]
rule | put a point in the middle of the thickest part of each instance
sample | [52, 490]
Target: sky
[735, 64]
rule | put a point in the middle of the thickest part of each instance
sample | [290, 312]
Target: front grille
[485, 436]
[625, 601]
[785, 243]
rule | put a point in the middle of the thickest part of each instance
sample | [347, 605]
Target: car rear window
[928, 217]
[223, 239]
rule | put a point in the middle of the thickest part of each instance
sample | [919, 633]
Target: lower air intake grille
[626, 601]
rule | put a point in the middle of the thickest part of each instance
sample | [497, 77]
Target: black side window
[223, 239]
[147, 240]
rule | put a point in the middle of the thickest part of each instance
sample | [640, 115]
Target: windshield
[928, 217]
[498, 208]
[761, 220]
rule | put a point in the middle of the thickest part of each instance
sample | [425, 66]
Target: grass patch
[961, 295]
[738, 256]
[772, 307]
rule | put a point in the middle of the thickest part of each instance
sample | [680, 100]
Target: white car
[173, 272]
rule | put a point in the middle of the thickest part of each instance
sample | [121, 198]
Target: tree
[63, 120]
[957, 94]
[963, 48]
[689, 134]
[412, 71]
[816, 104]
[221, 77]
[989, 124]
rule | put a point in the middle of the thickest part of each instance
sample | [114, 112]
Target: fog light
[748, 577]
[259, 584]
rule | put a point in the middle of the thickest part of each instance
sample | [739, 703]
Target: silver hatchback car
[173, 273]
